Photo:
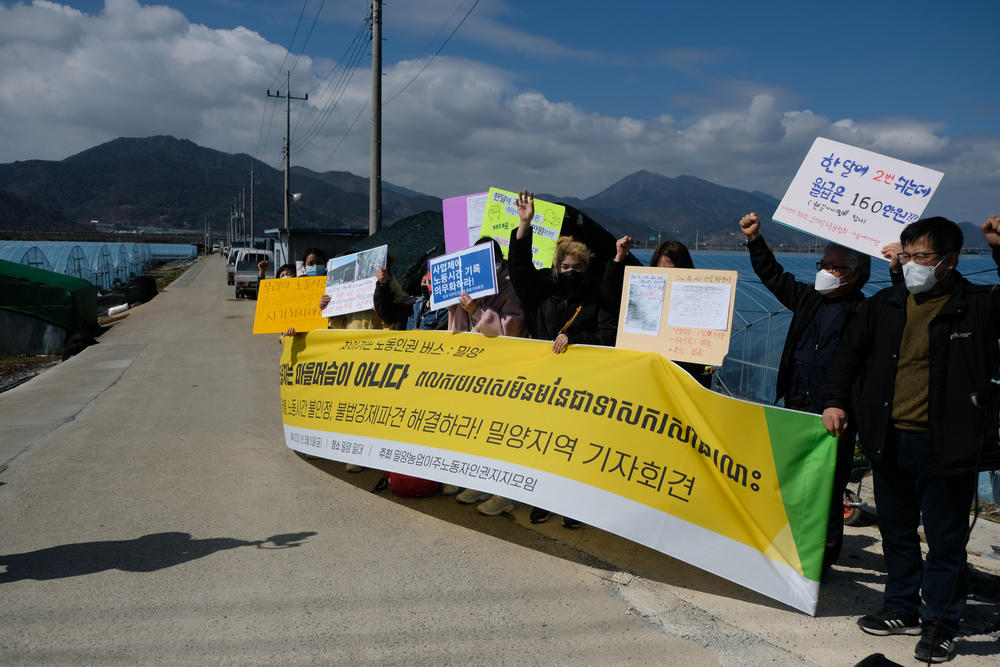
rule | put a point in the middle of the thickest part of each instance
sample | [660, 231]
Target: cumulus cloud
[72, 80]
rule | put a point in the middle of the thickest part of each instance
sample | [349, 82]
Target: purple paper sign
[463, 216]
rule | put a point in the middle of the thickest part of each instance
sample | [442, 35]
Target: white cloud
[71, 81]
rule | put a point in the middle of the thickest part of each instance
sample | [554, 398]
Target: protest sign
[683, 314]
[855, 197]
[501, 216]
[622, 440]
[471, 271]
[463, 220]
[350, 281]
[289, 302]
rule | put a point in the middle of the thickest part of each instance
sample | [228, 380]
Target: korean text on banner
[463, 220]
[471, 271]
[289, 302]
[501, 217]
[350, 281]
[621, 440]
[854, 197]
[683, 314]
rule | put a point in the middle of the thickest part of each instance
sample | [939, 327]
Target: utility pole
[375, 177]
[288, 132]
[251, 199]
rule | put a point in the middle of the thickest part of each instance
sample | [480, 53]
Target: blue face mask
[316, 270]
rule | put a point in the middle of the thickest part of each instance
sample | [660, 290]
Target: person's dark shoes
[888, 622]
[936, 644]
[538, 515]
[572, 524]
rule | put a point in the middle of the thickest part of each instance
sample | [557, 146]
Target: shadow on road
[144, 554]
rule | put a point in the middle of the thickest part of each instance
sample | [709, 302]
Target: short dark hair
[860, 261]
[945, 236]
[320, 255]
[285, 267]
[676, 251]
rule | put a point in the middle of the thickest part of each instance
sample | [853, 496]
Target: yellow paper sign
[683, 314]
[501, 217]
[289, 302]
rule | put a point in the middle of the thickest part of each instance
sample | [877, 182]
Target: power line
[431, 59]
[334, 90]
[308, 35]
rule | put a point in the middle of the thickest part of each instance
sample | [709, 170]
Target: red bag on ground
[407, 486]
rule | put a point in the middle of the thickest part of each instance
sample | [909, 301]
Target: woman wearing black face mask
[562, 305]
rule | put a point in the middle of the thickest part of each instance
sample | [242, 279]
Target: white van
[231, 264]
[245, 272]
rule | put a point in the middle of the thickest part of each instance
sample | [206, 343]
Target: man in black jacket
[819, 313]
[928, 350]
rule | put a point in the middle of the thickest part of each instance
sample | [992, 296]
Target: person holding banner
[499, 314]
[564, 305]
[819, 313]
[410, 312]
[928, 422]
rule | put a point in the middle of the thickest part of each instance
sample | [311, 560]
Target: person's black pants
[906, 487]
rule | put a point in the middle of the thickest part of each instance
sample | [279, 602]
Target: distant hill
[174, 183]
[164, 182]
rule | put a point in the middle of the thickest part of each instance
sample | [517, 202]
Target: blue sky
[566, 97]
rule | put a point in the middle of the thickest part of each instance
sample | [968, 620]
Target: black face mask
[425, 291]
[571, 280]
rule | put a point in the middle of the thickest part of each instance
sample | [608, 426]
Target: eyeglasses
[918, 257]
[832, 268]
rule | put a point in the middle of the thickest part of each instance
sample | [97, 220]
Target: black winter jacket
[802, 299]
[963, 358]
[548, 306]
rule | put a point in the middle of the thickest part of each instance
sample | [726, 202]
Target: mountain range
[172, 183]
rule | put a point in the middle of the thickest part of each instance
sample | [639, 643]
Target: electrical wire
[346, 67]
[262, 140]
[431, 59]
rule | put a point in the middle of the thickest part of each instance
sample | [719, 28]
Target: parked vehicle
[231, 264]
[245, 273]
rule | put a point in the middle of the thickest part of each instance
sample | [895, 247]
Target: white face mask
[919, 278]
[826, 282]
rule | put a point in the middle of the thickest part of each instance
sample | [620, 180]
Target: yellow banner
[621, 439]
[289, 302]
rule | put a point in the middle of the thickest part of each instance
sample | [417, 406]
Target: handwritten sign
[463, 220]
[350, 281]
[501, 216]
[645, 303]
[682, 314]
[855, 197]
[471, 271]
[289, 302]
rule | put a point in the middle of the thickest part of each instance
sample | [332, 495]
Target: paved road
[151, 514]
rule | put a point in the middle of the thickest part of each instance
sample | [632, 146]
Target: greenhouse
[99, 261]
[26, 253]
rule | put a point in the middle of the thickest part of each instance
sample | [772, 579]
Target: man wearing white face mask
[819, 312]
[928, 422]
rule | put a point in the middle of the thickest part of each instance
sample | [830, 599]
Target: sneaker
[888, 622]
[538, 515]
[496, 505]
[936, 645]
[471, 497]
[354, 467]
[450, 490]
[572, 524]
